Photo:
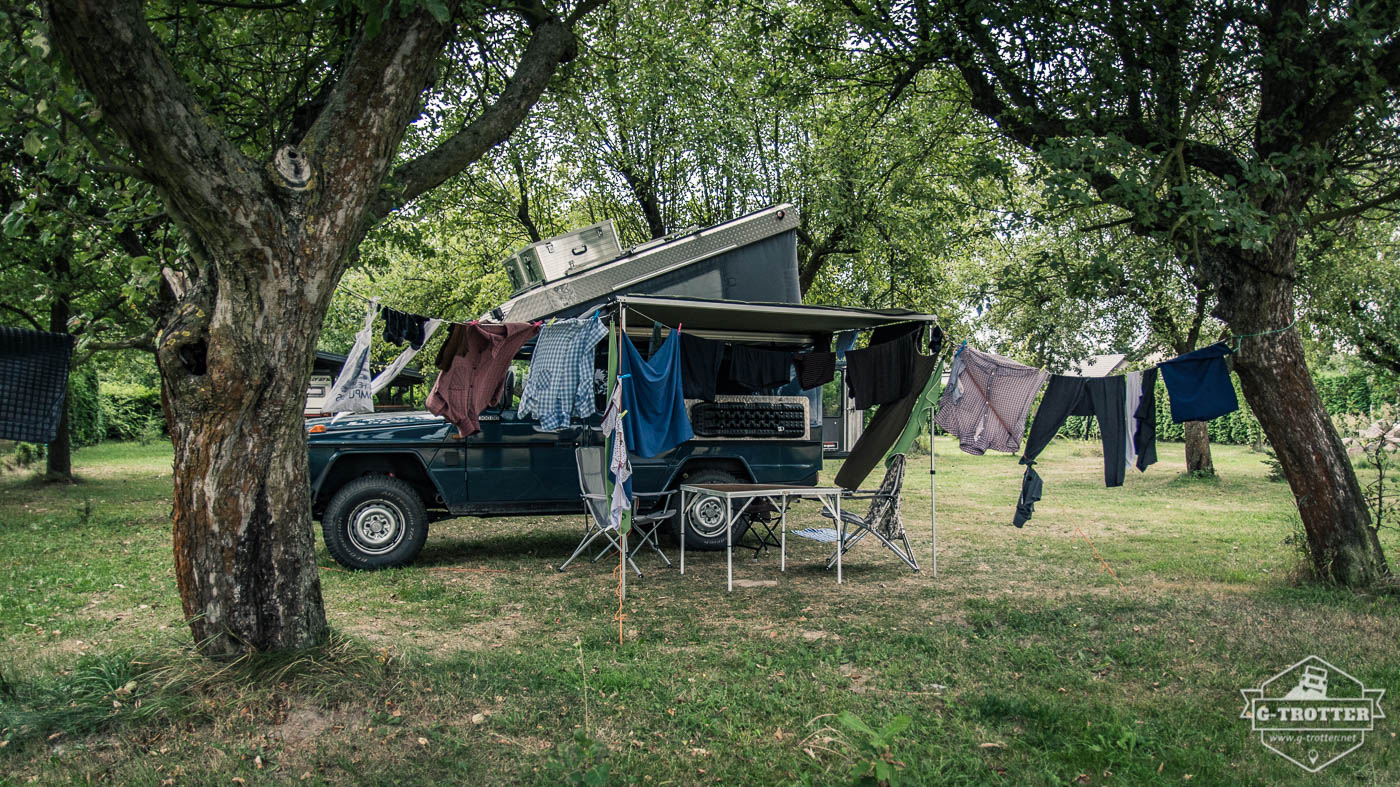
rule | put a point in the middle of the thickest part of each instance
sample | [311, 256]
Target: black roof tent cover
[753, 258]
[723, 319]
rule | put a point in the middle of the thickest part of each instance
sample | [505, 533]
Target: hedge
[132, 412]
[86, 425]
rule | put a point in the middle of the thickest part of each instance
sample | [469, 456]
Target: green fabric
[918, 420]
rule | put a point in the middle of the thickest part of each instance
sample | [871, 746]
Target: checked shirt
[560, 386]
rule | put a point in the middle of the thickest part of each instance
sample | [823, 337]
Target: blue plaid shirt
[560, 386]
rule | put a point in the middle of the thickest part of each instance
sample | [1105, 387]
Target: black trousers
[1102, 397]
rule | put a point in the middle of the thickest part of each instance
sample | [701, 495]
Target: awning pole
[932, 508]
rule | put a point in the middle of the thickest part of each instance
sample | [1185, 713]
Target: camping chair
[592, 480]
[881, 521]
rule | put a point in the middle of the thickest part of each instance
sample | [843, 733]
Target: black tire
[375, 521]
[704, 519]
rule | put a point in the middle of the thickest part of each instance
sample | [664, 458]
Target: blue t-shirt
[653, 398]
[1198, 384]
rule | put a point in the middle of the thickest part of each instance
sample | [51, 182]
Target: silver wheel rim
[376, 527]
[707, 517]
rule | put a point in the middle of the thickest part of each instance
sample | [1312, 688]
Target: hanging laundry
[758, 369]
[400, 327]
[1198, 384]
[818, 366]
[987, 401]
[476, 357]
[353, 390]
[33, 383]
[845, 340]
[1133, 384]
[814, 369]
[1102, 397]
[653, 398]
[619, 465]
[881, 373]
[1145, 425]
[898, 330]
[560, 385]
[392, 370]
[700, 361]
[891, 423]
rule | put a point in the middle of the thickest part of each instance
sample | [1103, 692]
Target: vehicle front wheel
[705, 515]
[375, 521]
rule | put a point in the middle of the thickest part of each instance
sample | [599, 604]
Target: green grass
[1021, 662]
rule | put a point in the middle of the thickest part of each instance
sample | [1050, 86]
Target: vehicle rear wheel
[375, 521]
[705, 516]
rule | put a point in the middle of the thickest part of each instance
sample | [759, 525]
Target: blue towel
[1198, 384]
[653, 398]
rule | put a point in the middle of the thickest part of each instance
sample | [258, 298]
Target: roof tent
[785, 323]
[753, 257]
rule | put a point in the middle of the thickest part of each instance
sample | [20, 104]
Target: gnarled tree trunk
[270, 240]
[1198, 461]
[245, 552]
[1256, 296]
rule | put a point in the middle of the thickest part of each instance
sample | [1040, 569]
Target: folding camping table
[777, 495]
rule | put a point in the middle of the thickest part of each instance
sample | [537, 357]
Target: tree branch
[551, 43]
[24, 314]
[117, 57]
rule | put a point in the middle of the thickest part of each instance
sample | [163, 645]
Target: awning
[778, 322]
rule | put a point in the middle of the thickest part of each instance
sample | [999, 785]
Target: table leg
[782, 520]
[685, 512]
[840, 535]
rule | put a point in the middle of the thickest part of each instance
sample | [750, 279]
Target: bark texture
[270, 241]
[1198, 461]
[58, 462]
[1257, 296]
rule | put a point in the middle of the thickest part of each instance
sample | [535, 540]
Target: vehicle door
[511, 460]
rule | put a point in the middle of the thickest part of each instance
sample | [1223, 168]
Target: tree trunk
[59, 459]
[245, 552]
[1257, 296]
[1198, 461]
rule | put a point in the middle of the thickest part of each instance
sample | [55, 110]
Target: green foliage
[583, 762]
[132, 412]
[26, 454]
[875, 763]
[86, 422]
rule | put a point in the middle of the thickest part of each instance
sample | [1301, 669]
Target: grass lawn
[1022, 662]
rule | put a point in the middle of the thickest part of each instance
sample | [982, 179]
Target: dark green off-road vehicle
[379, 480]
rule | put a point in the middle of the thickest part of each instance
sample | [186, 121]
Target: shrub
[85, 418]
[132, 412]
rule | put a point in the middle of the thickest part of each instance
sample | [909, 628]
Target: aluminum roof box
[751, 258]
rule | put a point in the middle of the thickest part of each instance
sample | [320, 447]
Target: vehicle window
[831, 396]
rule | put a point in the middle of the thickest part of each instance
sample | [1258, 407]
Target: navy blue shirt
[1198, 384]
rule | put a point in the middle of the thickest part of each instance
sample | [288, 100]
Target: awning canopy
[777, 322]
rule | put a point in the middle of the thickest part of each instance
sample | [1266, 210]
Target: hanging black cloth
[888, 333]
[757, 369]
[700, 359]
[1104, 397]
[884, 428]
[1145, 436]
[814, 369]
[33, 383]
[400, 327]
[881, 373]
